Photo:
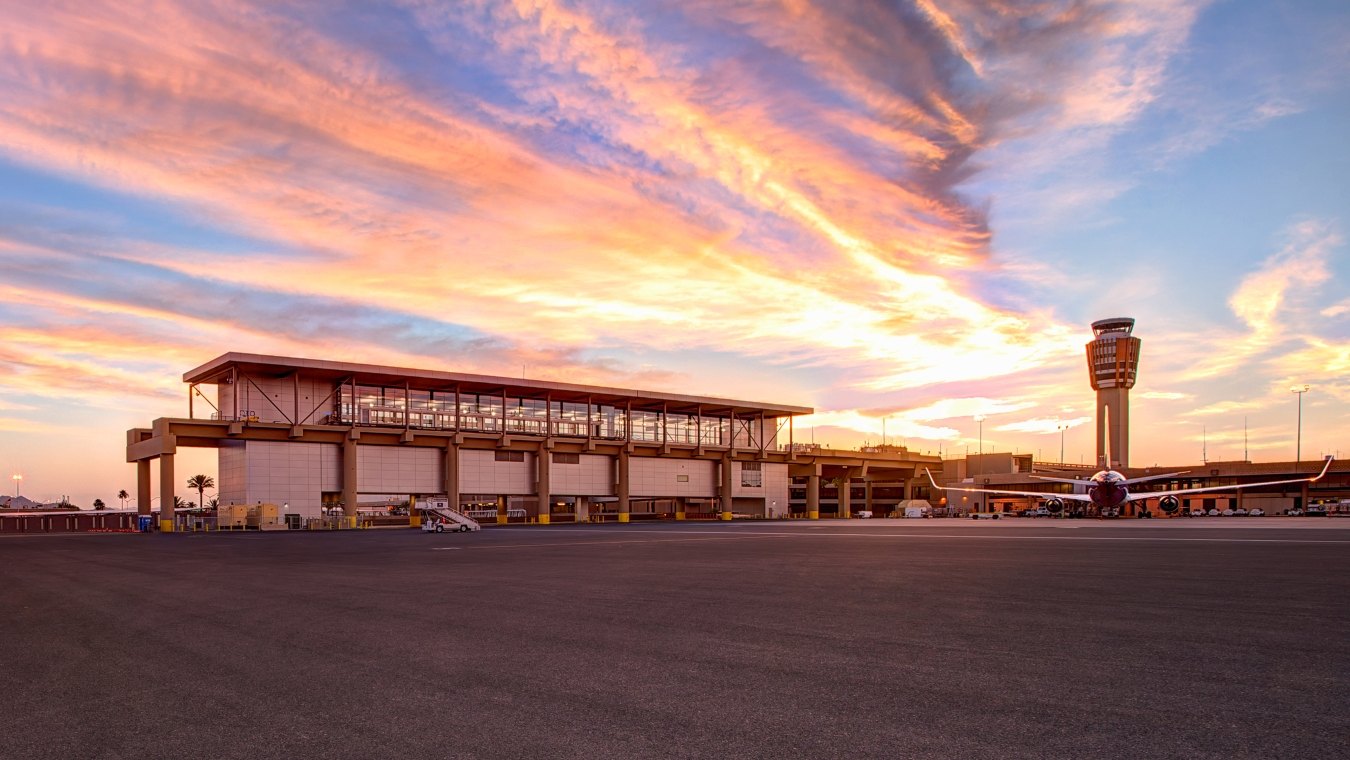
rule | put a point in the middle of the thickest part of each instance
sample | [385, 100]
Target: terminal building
[317, 436]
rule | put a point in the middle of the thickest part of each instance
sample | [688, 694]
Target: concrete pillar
[680, 508]
[349, 477]
[621, 487]
[725, 490]
[166, 493]
[449, 478]
[845, 495]
[813, 497]
[542, 490]
[143, 494]
[583, 509]
[867, 495]
[502, 503]
[909, 488]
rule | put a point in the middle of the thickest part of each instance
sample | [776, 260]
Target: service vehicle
[441, 525]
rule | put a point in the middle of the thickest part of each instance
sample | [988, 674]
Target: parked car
[1197, 513]
[1213, 513]
[984, 515]
[1258, 512]
[863, 515]
[1240, 512]
[1315, 511]
[1228, 512]
[1295, 512]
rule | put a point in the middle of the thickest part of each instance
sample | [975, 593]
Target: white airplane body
[1109, 490]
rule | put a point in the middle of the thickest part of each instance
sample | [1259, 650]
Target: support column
[582, 510]
[349, 477]
[909, 488]
[867, 495]
[449, 479]
[813, 497]
[726, 487]
[621, 488]
[845, 494]
[143, 495]
[166, 493]
[542, 486]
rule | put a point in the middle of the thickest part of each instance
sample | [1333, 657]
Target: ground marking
[727, 535]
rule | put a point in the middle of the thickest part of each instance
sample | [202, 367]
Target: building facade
[317, 436]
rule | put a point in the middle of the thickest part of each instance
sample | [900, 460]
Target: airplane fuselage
[1108, 490]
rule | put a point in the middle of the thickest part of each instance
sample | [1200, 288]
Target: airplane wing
[1146, 478]
[1037, 494]
[1074, 481]
[1180, 491]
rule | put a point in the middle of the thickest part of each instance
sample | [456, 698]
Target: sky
[905, 214]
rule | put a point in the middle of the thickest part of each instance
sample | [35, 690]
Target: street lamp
[979, 418]
[17, 478]
[1062, 428]
[1298, 450]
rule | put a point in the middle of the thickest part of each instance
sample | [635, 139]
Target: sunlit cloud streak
[423, 189]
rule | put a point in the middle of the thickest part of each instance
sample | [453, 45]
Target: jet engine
[1169, 504]
[1054, 506]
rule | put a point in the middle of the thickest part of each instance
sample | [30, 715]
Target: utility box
[265, 517]
[232, 516]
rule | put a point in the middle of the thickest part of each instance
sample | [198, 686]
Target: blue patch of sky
[1211, 213]
[70, 207]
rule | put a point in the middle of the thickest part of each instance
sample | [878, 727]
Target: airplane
[1108, 490]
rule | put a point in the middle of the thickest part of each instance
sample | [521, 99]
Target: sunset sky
[907, 211]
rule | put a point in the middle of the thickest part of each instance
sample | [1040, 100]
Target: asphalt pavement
[1224, 638]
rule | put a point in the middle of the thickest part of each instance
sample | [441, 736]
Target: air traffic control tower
[1113, 363]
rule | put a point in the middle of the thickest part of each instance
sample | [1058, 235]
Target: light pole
[17, 478]
[979, 418]
[1062, 428]
[1298, 450]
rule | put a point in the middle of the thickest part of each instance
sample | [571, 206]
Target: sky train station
[318, 436]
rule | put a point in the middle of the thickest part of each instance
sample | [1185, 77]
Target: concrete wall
[399, 470]
[480, 473]
[652, 476]
[594, 476]
[279, 472]
[232, 473]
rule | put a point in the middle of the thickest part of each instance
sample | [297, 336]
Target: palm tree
[123, 495]
[200, 483]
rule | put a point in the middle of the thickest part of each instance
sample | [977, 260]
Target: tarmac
[1183, 638]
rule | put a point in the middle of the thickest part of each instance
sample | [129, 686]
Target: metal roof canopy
[259, 365]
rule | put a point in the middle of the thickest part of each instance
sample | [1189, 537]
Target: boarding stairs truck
[438, 517]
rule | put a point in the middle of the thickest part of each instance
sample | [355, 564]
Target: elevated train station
[318, 435]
